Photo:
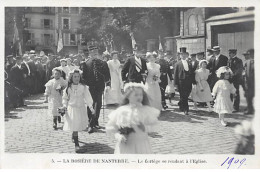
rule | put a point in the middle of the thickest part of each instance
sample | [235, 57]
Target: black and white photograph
[130, 80]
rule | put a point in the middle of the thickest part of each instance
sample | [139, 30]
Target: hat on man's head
[71, 56]
[32, 52]
[92, 47]
[63, 60]
[67, 59]
[216, 48]
[9, 56]
[25, 56]
[193, 55]
[200, 53]
[114, 52]
[232, 50]
[18, 58]
[183, 50]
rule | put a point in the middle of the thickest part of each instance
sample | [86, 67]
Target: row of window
[69, 39]
[48, 23]
[51, 10]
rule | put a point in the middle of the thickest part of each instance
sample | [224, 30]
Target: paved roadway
[29, 130]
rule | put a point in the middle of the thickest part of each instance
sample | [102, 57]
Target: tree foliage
[113, 25]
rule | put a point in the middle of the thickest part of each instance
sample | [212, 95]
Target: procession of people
[76, 88]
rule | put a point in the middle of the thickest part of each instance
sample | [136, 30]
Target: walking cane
[103, 107]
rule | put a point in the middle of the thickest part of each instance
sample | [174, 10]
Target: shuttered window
[66, 37]
[65, 23]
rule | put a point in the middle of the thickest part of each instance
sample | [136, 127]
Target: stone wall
[193, 45]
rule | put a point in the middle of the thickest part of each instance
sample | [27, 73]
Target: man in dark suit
[165, 70]
[135, 69]
[183, 80]
[9, 63]
[249, 83]
[17, 80]
[215, 62]
[194, 66]
[236, 66]
[96, 75]
[33, 70]
[27, 75]
[51, 63]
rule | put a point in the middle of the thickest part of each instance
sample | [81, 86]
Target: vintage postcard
[129, 84]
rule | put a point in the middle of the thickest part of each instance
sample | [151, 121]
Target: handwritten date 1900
[230, 161]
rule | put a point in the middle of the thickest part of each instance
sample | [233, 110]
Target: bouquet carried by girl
[131, 122]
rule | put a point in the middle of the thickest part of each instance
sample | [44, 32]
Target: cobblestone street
[29, 130]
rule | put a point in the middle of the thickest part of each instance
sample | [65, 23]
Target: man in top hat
[165, 70]
[183, 80]
[216, 61]
[249, 80]
[236, 66]
[135, 69]
[96, 75]
[17, 80]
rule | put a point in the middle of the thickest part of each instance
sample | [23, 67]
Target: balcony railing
[44, 10]
[46, 42]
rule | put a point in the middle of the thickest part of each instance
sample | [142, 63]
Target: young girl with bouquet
[53, 93]
[76, 99]
[131, 122]
[221, 93]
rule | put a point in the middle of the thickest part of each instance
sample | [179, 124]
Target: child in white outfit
[53, 93]
[221, 92]
[76, 99]
[131, 122]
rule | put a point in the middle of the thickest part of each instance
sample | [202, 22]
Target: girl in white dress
[53, 93]
[76, 99]
[131, 122]
[64, 68]
[114, 94]
[201, 92]
[221, 93]
[152, 87]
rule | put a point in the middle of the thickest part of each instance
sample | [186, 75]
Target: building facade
[42, 26]
[232, 31]
[39, 30]
[192, 30]
[201, 28]
[68, 22]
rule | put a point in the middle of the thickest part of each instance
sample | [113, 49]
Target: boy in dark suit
[236, 66]
[135, 69]
[183, 80]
